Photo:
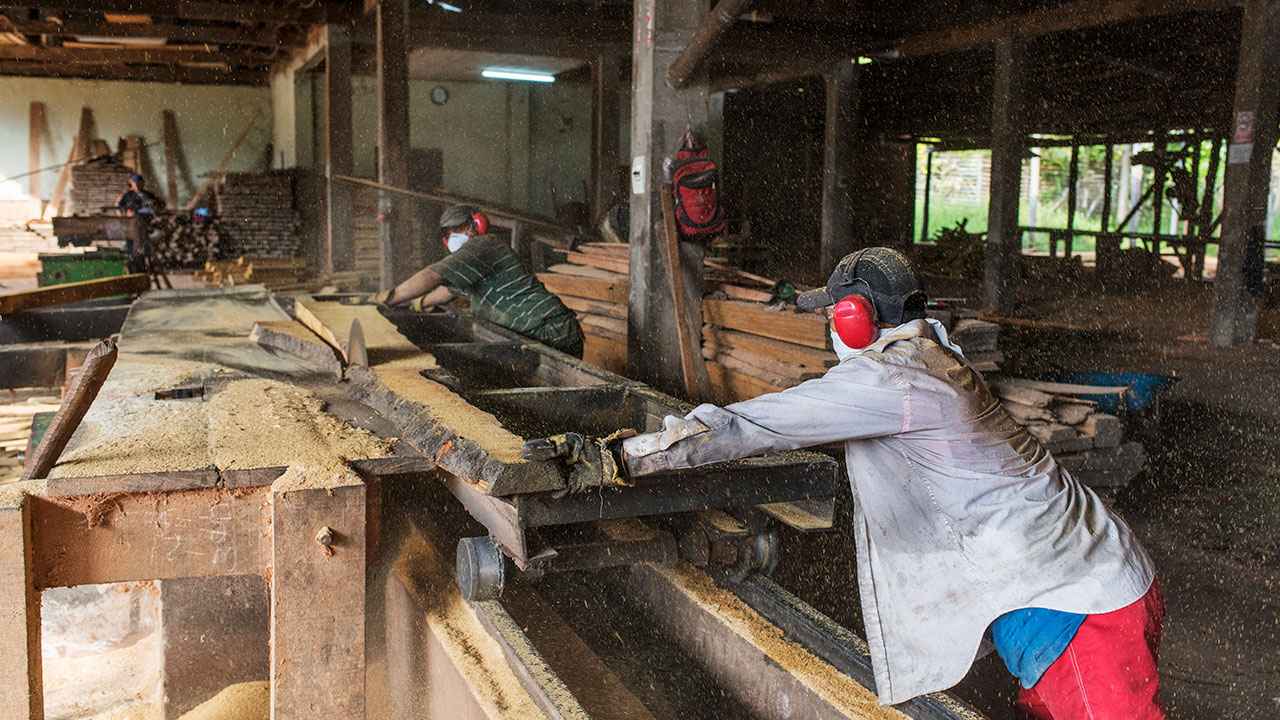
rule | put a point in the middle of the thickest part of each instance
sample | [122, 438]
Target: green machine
[57, 269]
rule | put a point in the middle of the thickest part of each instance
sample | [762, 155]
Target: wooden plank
[689, 356]
[603, 262]
[605, 290]
[604, 352]
[73, 292]
[86, 135]
[35, 128]
[777, 372]
[732, 386]
[384, 343]
[737, 292]
[596, 307]
[21, 690]
[1056, 388]
[768, 375]
[202, 10]
[296, 339]
[1020, 394]
[185, 533]
[317, 598]
[778, 350]
[613, 325]
[1104, 429]
[171, 150]
[270, 37]
[217, 172]
[809, 329]
[590, 272]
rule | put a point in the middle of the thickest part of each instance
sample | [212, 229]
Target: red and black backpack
[695, 179]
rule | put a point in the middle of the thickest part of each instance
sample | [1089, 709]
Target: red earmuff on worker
[854, 319]
[481, 223]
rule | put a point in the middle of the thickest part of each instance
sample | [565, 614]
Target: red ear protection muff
[481, 223]
[854, 319]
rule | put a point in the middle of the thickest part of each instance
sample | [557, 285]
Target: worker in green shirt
[502, 292]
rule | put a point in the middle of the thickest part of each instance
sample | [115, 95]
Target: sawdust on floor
[841, 691]
[122, 683]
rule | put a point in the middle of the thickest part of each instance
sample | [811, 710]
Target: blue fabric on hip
[1030, 639]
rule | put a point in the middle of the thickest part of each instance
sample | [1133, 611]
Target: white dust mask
[456, 240]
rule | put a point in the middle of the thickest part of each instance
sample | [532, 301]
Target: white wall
[209, 118]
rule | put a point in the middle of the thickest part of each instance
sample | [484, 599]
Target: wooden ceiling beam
[269, 37]
[120, 56]
[268, 12]
[149, 73]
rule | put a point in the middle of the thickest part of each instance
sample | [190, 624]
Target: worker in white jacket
[966, 527]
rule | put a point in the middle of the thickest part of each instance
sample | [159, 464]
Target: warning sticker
[1244, 127]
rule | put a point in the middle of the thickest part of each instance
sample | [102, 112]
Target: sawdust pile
[852, 699]
[247, 423]
[243, 701]
[451, 619]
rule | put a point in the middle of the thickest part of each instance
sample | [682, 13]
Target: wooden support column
[1248, 178]
[1004, 240]
[340, 242]
[605, 126]
[1073, 182]
[659, 116]
[317, 600]
[21, 691]
[394, 211]
[837, 164]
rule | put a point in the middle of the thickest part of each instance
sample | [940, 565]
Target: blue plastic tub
[1144, 390]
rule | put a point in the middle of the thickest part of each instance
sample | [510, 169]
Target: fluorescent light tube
[512, 75]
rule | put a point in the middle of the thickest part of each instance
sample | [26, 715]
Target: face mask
[842, 351]
[456, 240]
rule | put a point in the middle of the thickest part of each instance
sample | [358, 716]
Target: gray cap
[880, 274]
[456, 215]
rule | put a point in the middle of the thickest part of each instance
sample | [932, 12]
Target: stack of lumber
[980, 342]
[97, 184]
[593, 282]
[257, 214]
[277, 274]
[1089, 444]
[177, 241]
[15, 430]
[26, 239]
[753, 349]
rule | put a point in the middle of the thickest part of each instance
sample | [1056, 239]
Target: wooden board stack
[752, 349]
[256, 214]
[97, 185]
[277, 274]
[1089, 444]
[15, 428]
[594, 282]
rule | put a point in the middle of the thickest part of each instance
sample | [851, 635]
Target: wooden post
[928, 186]
[605, 113]
[35, 128]
[1106, 190]
[340, 243]
[837, 164]
[1248, 178]
[1073, 181]
[317, 600]
[86, 135]
[393, 140]
[659, 116]
[21, 690]
[1157, 193]
[1004, 240]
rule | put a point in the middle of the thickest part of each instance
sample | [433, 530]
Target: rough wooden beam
[837, 165]
[72, 292]
[35, 129]
[21, 693]
[185, 533]
[1004, 239]
[1247, 182]
[268, 37]
[198, 10]
[713, 27]
[339, 247]
[317, 598]
[150, 55]
[393, 139]
[149, 73]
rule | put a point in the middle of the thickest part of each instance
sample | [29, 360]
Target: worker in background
[502, 292]
[138, 200]
[967, 530]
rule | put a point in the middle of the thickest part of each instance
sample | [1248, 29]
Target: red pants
[1108, 671]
